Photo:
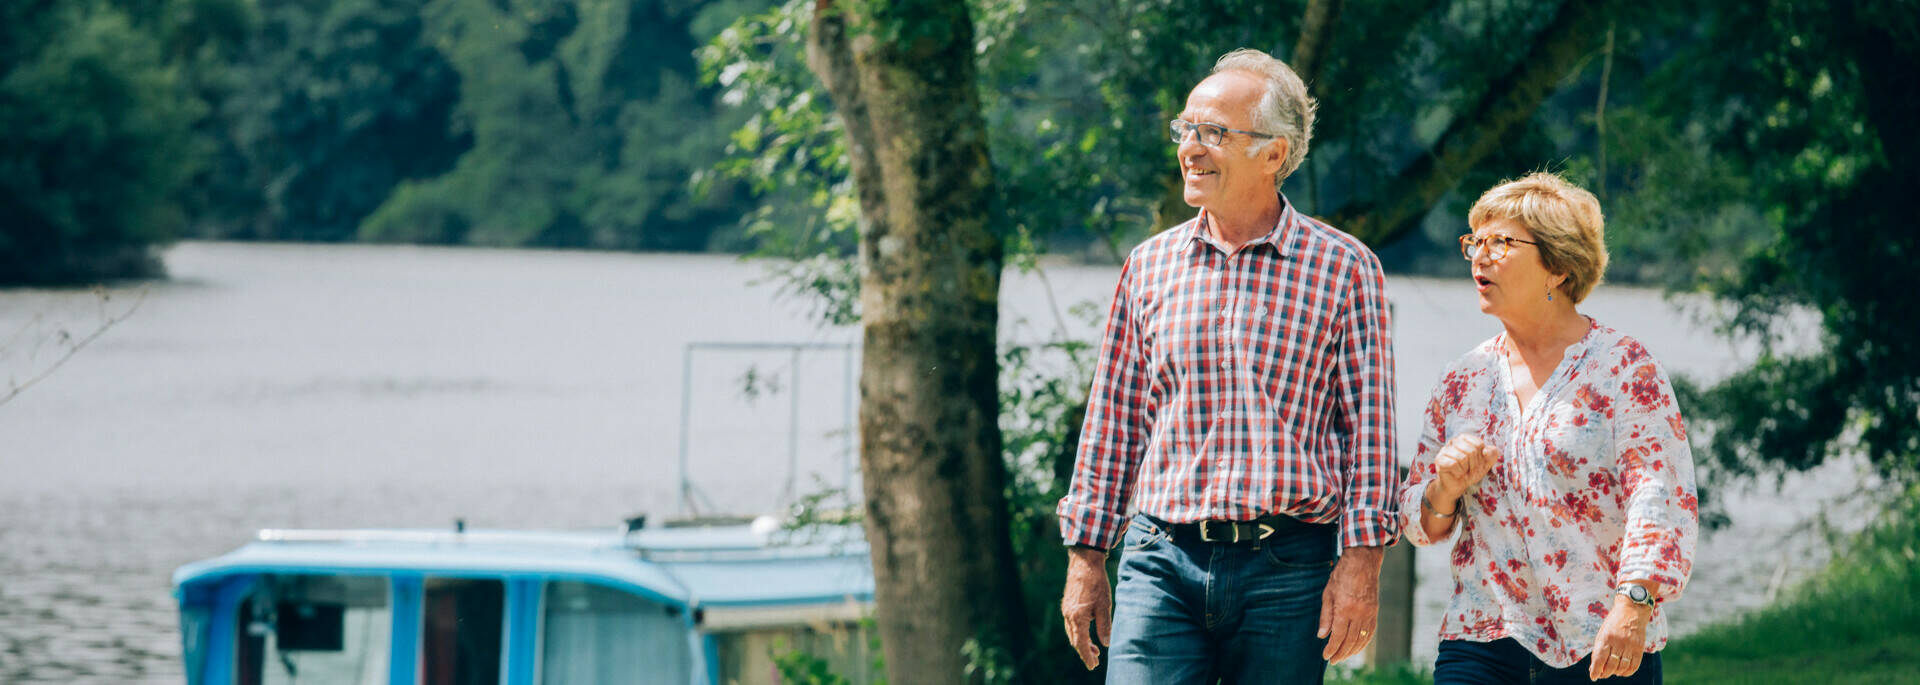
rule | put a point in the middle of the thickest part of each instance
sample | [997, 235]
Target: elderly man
[1244, 403]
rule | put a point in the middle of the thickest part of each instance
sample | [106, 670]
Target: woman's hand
[1463, 461]
[1622, 642]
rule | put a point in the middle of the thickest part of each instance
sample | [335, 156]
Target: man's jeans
[1189, 611]
[1504, 661]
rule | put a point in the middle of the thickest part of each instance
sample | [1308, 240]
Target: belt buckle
[1206, 532]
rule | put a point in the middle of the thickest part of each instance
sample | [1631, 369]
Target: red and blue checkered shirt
[1232, 385]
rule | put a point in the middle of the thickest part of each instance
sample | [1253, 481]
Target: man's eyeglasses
[1497, 246]
[1209, 134]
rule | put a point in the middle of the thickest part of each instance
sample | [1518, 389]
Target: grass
[1402, 674]
[1857, 622]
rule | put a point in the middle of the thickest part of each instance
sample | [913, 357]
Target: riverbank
[1856, 622]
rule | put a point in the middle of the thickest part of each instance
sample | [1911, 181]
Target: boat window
[463, 628]
[314, 629]
[598, 634]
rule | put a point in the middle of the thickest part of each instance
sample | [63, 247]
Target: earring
[1549, 294]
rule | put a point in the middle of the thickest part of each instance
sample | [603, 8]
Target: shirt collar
[1285, 230]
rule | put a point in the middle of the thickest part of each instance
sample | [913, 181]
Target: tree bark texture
[1316, 35]
[902, 76]
[1509, 102]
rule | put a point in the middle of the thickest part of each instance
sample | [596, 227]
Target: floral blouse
[1595, 488]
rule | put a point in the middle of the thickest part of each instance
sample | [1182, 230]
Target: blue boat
[677, 604]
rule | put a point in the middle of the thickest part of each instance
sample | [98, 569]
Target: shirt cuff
[1410, 506]
[1089, 527]
[1670, 584]
[1368, 527]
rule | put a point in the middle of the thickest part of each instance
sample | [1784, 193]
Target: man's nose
[1190, 146]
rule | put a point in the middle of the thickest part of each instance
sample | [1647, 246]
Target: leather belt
[1243, 532]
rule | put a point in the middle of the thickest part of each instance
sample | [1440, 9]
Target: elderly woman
[1557, 450]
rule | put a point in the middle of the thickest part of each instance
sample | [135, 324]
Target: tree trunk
[902, 76]
[1508, 103]
[1316, 34]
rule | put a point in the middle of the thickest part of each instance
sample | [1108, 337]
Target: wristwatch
[1636, 594]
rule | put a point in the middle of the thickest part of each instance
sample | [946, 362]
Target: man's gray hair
[1285, 111]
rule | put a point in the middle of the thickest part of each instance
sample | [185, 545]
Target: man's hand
[1351, 603]
[1463, 461]
[1622, 642]
[1087, 600]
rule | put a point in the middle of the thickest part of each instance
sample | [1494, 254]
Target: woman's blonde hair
[1562, 217]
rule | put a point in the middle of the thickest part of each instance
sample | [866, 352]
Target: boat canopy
[690, 567]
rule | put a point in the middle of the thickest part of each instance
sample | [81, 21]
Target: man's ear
[1275, 155]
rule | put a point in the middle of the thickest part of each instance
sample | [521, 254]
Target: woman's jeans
[1191, 611]
[1505, 661]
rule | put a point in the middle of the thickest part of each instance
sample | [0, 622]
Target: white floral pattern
[1596, 488]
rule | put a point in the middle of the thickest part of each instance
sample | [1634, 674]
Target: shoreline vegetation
[1856, 622]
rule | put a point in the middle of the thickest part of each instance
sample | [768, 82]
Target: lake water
[359, 386]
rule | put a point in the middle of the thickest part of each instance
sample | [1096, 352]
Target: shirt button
[1226, 364]
[1263, 311]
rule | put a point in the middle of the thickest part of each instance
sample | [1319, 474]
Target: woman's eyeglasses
[1497, 246]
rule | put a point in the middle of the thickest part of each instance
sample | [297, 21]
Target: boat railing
[690, 497]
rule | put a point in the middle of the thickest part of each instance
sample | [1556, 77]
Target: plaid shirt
[1234, 385]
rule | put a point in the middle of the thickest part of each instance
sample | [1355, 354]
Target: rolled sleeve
[1364, 379]
[1113, 435]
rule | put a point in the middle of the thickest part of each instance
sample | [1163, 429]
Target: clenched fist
[1462, 462]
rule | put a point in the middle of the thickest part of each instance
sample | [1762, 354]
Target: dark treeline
[125, 124]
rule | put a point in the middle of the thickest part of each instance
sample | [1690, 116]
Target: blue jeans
[1190, 611]
[1504, 661]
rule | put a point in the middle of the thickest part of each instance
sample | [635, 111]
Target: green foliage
[804, 668]
[586, 120]
[1817, 107]
[1401, 674]
[322, 109]
[1076, 96]
[1857, 621]
[92, 134]
[988, 664]
[1043, 392]
[790, 151]
[797, 665]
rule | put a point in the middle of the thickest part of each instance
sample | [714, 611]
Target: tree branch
[1316, 34]
[73, 345]
[830, 57]
[1476, 133]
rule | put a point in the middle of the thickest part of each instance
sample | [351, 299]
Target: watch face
[1635, 593]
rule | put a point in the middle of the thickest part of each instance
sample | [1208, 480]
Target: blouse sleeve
[1421, 472]
[1655, 468]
